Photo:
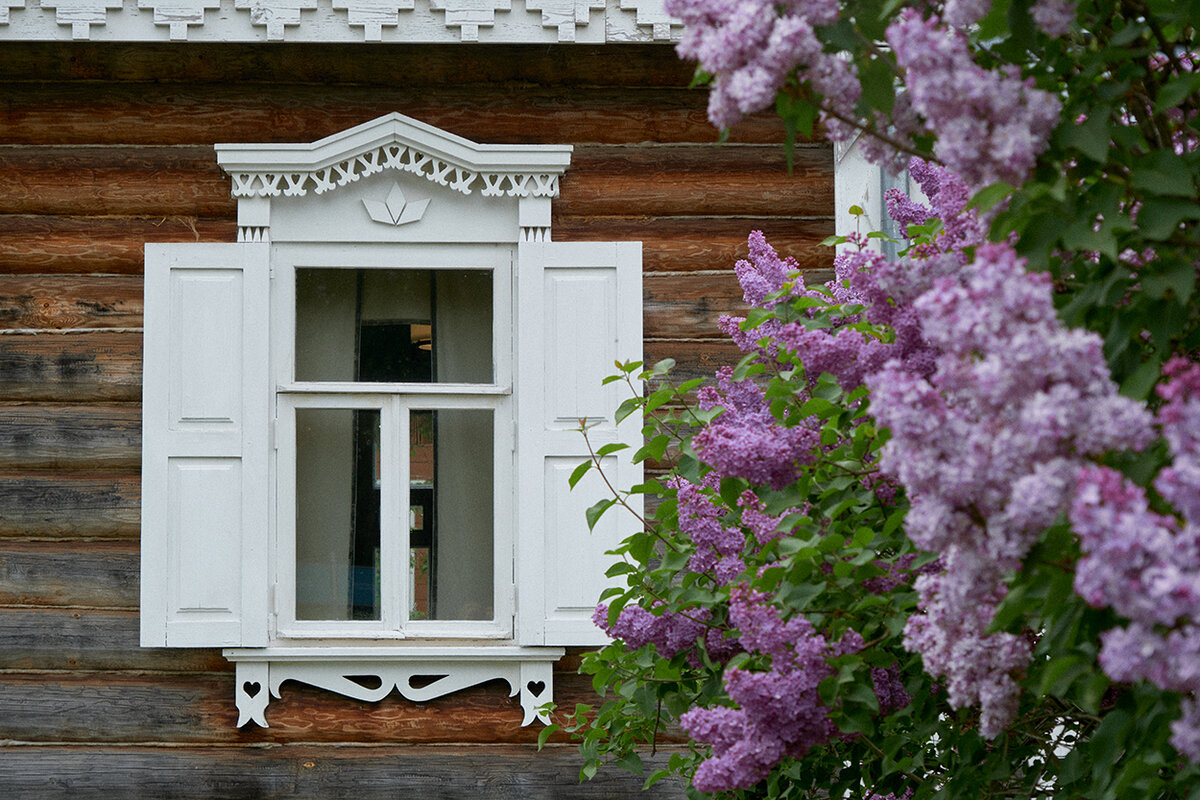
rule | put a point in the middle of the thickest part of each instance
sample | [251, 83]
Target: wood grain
[67, 436]
[199, 708]
[120, 181]
[687, 306]
[316, 771]
[71, 367]
[82, 640]
[153, 114]
[60, 504]
[70, 301]
[31, 244]
[693, 359]
[662, 180]
[698, 180]
[684, 244]
[95, 574]
[369, 64]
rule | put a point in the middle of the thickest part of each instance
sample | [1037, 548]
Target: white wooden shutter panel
[205, 439]
[579, 309]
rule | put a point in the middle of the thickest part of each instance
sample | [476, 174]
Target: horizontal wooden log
[693, 359]
[687, 306]
[92, 574]
[151, 113]
[697, 180]
[684, 244]
[121, 181]
[69, 505]
[317, 771]
[91, 640]
[370, 64]
[62, 436]
[192, 708]
[79, 245]
[71, 367]
[70, 301]
[657, 180]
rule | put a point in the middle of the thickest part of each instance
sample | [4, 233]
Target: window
[359, 420]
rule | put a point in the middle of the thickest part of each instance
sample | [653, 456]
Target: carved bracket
[418, 674]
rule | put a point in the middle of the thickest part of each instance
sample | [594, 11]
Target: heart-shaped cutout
[536, 688]
[251, 688]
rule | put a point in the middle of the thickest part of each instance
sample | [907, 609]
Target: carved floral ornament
[510, 21]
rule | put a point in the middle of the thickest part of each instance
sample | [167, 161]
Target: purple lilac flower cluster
[753, 46]
[669, 633]
[1146, 565]
[991, 124]
[746, 441]
[1054, 17]
[987, 447]
[718, 547]
[779, 713]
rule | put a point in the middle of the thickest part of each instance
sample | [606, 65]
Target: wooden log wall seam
[65, 772]
[105, 147]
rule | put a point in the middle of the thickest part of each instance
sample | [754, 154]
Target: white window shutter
[205, 441]
[579, 310]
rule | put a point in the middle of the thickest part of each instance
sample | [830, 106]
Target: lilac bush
[936, 533]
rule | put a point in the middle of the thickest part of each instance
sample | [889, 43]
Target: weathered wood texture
[65, 772]
[75, 504]
[106, 147]
[194, 708]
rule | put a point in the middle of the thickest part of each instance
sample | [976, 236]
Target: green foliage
[1111, 213]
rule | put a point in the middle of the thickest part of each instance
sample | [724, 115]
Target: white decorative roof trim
[489, 21]
[394, 142]
[5, 5]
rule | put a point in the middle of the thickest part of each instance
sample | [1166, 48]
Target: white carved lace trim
[393, 156]
[259, 681]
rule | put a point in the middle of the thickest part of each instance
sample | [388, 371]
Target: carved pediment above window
[271, 181]
[394, 142]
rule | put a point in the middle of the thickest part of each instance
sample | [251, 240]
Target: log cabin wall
[106, 146]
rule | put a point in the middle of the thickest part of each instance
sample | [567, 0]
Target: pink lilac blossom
[1146, 565]
[1054, 17]
[986, 448]
[746, 441]
[779, 711]
[754, 46]
[991, 124]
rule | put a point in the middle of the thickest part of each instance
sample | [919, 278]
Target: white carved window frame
[559, 310]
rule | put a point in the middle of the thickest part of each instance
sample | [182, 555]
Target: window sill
[442, 669]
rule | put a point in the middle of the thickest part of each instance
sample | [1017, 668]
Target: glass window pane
[450, 514]
[337, 514]
[394, 325]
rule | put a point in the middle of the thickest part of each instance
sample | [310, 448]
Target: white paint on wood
[6, 6]
[275, 15]
[437, 21]
[177, 15]
[579, 302]
[261, 673]
[80, 15]
[205, 432]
